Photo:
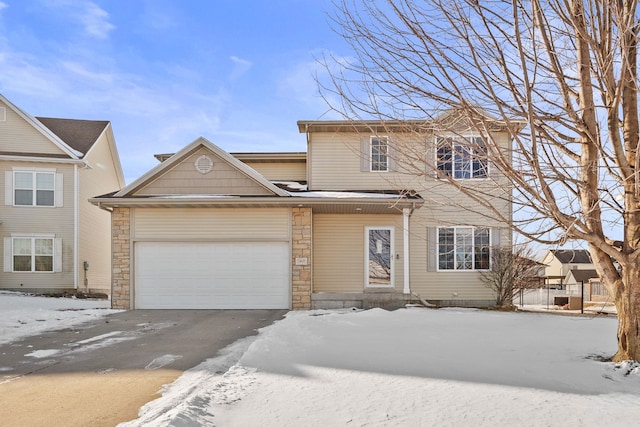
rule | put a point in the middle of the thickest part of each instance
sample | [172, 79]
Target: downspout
[406, 214]
[76, 225]
[308, 163]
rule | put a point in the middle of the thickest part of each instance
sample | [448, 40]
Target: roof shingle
[77, 134]
[572, 256]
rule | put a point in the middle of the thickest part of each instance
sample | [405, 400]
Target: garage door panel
[212, 275]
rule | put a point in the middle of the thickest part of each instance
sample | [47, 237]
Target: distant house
[54, 240]
[559, 262]
[577, 277]
[340, 225]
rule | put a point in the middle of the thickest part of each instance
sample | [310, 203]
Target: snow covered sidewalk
[411, 367]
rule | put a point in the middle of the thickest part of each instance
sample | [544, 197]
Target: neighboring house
[561, 261]
[54, 240]
[344, 224]
[588, 282]
[579, 277]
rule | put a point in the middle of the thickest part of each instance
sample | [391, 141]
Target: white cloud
[240, 67]
[95, 20]
[3, 5]
[80, 70]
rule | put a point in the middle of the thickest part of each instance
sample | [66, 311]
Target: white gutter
[251, 201]
[12, 158]
[406, 213]
[76, 215]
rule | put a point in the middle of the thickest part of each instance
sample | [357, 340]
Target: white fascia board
[43, 129]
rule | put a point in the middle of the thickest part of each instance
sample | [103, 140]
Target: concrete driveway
[101, 373]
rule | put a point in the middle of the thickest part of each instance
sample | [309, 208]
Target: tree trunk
[627, 302]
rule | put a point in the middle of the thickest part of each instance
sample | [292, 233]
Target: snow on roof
[291, 185]
[345, 195]
[194, 196]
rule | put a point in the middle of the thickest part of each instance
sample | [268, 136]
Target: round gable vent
[204, 164]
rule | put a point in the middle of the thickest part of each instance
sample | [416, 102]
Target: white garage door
[206, 275]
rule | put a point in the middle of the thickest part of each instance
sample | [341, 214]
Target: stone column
[301, 259]
[121, 258]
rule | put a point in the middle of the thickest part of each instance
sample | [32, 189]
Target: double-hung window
[379, 154]
[33, 254]
[463, 248]
[462, 158]
[34, 188]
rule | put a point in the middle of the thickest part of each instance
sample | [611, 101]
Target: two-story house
[363, 218]
[559, 264]
[54, 240]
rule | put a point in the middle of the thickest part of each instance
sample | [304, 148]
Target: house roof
[157, 171]
[80, 135]
[428, 125]
[265, 157]
[272, 157]
[321, 202]
[580, 275]
[572, 256]
[283, 193]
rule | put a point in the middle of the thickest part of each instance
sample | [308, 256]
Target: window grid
[32, 254]
[34, 188]
[462, 158]
[379, 160]
[463, 248]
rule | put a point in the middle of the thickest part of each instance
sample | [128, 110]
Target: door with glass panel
[379, 257]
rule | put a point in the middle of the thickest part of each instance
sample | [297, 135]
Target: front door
[379, 257]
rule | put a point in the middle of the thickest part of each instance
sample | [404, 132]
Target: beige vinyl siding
[183, 178]
[335, 160]
[335, 164]
[95, 223]
[285, 171]
[339, 251]
[19, 136]
[269, 224]
[25, 220]
[442, 285]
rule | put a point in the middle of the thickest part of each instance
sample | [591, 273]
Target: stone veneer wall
[301, 250]
[121, 258]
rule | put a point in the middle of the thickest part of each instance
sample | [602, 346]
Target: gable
[19, 137]
[190, 176]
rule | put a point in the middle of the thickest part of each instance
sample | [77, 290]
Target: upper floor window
[32, 254]
[378, 154]
[34, 188]
[462, 158]
[463, 248]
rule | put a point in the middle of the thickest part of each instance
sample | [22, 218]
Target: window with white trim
[32, 188]
[33, 254]
[462, 158]
[463, 248]
[379, 154]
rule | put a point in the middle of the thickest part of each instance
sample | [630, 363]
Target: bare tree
[512, 270]
[561, 74]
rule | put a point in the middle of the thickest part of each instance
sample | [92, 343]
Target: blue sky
[164, 72]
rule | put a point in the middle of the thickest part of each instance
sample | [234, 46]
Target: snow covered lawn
[410, 367]
[25, 315]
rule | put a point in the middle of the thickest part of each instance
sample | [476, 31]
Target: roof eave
[252, 201]
[43, 159]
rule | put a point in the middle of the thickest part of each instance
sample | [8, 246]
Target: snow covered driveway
[411, 367]
[64, 362]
